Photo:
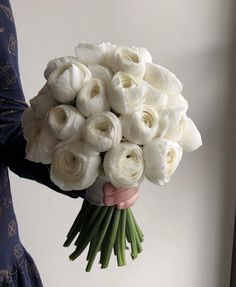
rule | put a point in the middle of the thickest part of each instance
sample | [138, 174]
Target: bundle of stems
[104, 229]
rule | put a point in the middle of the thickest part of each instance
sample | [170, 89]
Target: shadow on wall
[230, 166]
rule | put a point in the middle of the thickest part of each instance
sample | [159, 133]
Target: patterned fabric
[17, 268]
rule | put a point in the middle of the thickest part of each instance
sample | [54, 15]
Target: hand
[121, 197]
[103, 192]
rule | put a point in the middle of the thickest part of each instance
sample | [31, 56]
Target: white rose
[155, 98]
[191, 138]
[126, 93]
[102, 131]
[141, 126]
[94, 54]
[102, 73]
[92, 98]
[74, 167]
[128, 61]
[40, 143]
[162, 79]
[58, 62]
[177, 102]
[123, 165]
[66, 122]
[171, 124]
[65, 81]
[161, 158]
[42, 103]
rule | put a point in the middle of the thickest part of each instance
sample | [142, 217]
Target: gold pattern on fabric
[7, 202]
[12, 228]
[7, 11]
[7, 75]
[1, 30]
[18, 251]
[12, 45]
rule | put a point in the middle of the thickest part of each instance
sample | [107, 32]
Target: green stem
[139, 231]
[115, 224]
[130, 223]
[89, 222]
[78, 224]
[99, 241]
[122, 235]
[89, 234]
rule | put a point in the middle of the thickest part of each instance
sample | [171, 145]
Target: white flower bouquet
[109, 112]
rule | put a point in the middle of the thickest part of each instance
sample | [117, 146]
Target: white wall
[188, 223]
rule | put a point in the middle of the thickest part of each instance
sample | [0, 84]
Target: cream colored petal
[191, 138]
[162, 79]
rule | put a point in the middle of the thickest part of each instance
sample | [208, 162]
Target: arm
[12, 104]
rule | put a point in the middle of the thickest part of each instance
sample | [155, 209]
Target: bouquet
[108, 114]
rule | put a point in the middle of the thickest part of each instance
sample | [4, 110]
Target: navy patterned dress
[17, 268]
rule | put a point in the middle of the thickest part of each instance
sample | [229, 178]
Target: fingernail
[121, 205]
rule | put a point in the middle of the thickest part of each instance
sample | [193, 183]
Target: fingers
[128, 203]
[122, 196]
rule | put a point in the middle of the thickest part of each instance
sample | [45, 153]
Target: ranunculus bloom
[40, 142]
[129, 61]
[161, 158]
[171, 124]
[95, 54]
[74, 166]
[155, 98]
[43, 102]
[191, 138]
[141, 126]
[102, 73]
[177, 102]
[126, 93]
[162, 79]
[65, 81]
[123, 165]
[58, 62]
[92, 98]
[102, 131]
[66, 122]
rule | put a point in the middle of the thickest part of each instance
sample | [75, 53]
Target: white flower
[94, 54]
[74, 167]
[58, 62]
[141, 126]
[102, 131]
[28, 119]
[162, 79]
[155, 98]
[191, 138]
[171, 124]
[144, 54]
[66, 122]
[128, 61]
[177, 102]
[126, 93]
[102, 73]
[161, 158]
[42, 103]
[65, 81]
[40, 142]
[92, 98]
[123, 165]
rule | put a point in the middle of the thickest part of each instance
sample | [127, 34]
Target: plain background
[188, 224]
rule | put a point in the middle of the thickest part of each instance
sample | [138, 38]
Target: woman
[17, 268]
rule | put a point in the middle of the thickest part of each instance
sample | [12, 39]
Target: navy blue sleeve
[12, 104]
